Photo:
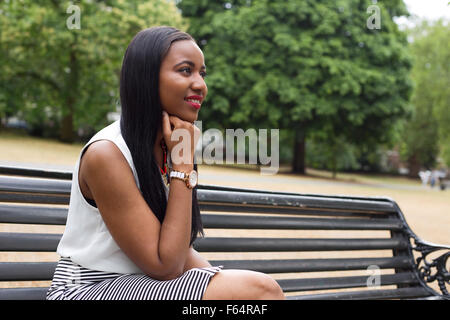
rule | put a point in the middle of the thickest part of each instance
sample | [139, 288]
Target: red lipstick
[194, 101]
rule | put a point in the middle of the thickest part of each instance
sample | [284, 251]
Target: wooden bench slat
[33, 172]
[32, 214]
[292, 285]
[222, 244]
[38, 293]
[58, 216]
[296, 223]
[34, 185]
[18, 271]
[399, 293]
[314, 265]
[219, 207]
[33, 242]
[49, 242]
[266, 199]
[34, 198]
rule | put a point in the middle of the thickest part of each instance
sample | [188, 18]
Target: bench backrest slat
[17, 271]
[315, 265]
[38, 293]
[12, 213]
[291, 285]
[58, 216]
[222, 244]
[377, 294]
[33, 242]
[48, 242]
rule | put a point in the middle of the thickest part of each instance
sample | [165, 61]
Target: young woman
[128, 235]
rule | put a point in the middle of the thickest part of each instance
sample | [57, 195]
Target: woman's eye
[189, 71]
[186, 70]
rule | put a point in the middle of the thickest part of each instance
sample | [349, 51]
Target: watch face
[193, 178]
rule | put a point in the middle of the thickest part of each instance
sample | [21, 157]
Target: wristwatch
[190, 178]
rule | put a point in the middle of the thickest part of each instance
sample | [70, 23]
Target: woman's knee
[243, 285]
[267, 287]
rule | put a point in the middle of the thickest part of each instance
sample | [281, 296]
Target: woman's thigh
[242, 285]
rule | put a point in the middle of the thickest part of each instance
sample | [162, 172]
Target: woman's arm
[195, 260]
[158, 250]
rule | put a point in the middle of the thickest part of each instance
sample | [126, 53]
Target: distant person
[433, 178]
[424, 176]
[133, 213]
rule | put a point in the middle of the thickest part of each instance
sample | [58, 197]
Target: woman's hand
[180, 137]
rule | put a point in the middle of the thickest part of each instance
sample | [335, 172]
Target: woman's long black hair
[141, 116]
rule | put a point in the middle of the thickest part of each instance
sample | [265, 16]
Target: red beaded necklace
[164, 170]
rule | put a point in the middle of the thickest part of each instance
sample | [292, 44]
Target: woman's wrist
[183, 167]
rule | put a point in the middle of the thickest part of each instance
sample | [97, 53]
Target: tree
[427, 134]
[303, 66]
[61, 59]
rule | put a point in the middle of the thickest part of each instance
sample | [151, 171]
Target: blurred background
[353, 85]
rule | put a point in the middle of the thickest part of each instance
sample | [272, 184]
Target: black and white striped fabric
[74, 282]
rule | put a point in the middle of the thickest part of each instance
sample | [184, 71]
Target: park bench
[316, 246]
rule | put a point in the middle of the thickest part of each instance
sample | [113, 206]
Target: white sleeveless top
[86, 239]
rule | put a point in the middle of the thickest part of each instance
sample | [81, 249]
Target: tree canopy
[427, 134]
[311, 67]
[62, 76]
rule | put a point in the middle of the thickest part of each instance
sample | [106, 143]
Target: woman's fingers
[167, 130]
[175, 131]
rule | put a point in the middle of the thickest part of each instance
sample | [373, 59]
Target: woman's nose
[199, 84]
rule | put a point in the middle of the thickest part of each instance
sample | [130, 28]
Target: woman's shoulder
[102, 159]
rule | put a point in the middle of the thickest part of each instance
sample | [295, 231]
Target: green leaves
[304, 64]
[73, 72]
[427, 135]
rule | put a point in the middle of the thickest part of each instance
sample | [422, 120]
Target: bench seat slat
[296, 223]
[21, 271]
[399, 293]
[291, 285]
[38, 293]
[223, 244]
[314, 265]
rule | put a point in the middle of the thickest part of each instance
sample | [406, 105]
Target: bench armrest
[434, 269]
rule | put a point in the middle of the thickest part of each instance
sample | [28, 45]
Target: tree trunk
[67, 133]
[413, 166]
[298, 163]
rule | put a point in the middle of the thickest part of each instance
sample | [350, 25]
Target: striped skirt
[74, 282]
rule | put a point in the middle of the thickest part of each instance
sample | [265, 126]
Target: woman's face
[182, 87]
